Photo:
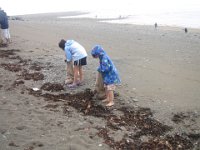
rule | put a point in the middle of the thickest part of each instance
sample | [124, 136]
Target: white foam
[180, 19]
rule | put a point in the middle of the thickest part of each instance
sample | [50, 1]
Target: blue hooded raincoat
[106, 68]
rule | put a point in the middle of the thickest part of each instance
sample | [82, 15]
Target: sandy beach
[159, 69]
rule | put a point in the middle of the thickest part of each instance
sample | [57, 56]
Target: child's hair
[61, 44]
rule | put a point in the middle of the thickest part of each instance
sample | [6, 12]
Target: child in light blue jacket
[77, 54]
[109, 73]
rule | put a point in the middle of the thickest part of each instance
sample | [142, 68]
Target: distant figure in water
[186, 30]
[156, 25]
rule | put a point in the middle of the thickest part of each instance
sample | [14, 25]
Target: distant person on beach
[76, 57]
[186, 30]
[5, 27]
[155, 25]
[109, 73]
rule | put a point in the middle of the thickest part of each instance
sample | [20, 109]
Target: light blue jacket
[74, 51]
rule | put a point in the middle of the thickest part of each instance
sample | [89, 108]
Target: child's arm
[105, 65]
[68, 54]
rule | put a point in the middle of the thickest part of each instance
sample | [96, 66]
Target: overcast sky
[16, 7]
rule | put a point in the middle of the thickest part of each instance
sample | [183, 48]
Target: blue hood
[98, 51]
[106, 67]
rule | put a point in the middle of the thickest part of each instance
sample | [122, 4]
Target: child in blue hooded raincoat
[108, 71]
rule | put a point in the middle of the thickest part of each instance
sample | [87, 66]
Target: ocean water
[189, 19]
[181, 13]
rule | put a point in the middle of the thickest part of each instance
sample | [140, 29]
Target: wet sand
[159, 71]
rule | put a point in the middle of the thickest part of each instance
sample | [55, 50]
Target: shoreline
[89, 15]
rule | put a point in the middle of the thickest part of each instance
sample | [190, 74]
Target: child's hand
[99, 69]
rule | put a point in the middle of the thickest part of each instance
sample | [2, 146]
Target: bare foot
[110, 104]
[105, 101]
[68, 81]
[73, 85]
[80, 83]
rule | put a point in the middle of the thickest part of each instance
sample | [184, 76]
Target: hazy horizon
[168, 12]
[21, 7]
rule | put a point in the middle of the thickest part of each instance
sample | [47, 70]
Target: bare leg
[76, 74]
[107, 98]
[8, 38]
[70, 74]
[110, 98]
[80, 73]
